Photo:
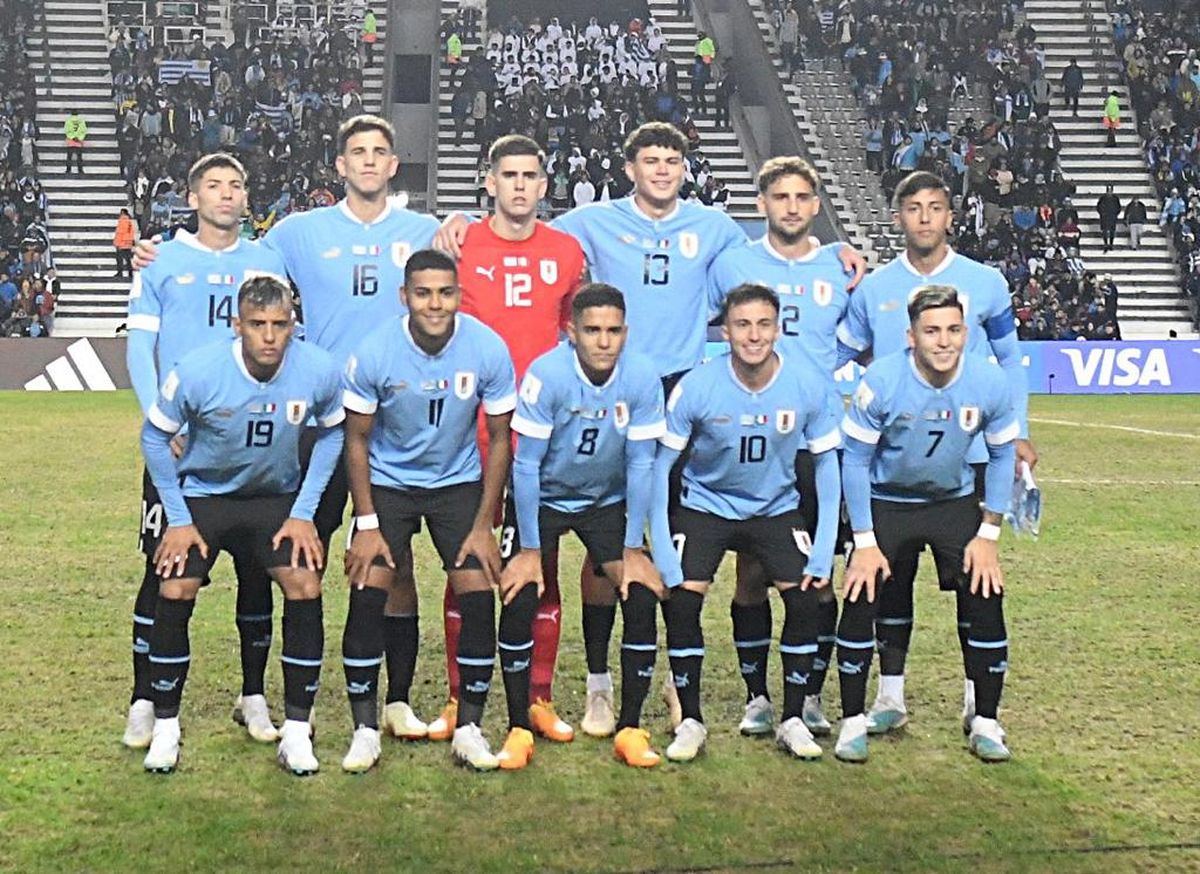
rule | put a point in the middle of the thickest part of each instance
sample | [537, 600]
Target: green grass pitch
[1102, 705]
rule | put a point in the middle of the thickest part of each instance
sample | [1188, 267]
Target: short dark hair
[931, 297]
[210, 162]
[786, 165]
[748, 292]
[428, 259]
[654, 133]
[514, 145]
[261, 292]
[921, 180]
[362, 124]
[596, 294]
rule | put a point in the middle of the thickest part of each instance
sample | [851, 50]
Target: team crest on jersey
[968, 418]
[464, 384]
[400, 252]
[785, 421]
[548, 268]
[531, 389]
[296, 411]
[689, 244]
[822, 293]
[621, 414]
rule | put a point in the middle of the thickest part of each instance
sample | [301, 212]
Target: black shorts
[449, 512]
[806, 485]
[903, 530]
[602, 530]
[675, 480]
[980, 469]
[780, 543]
[332, 507]
[153, 518]
[240, 526]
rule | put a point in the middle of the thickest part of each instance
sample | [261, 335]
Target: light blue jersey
[744, 443]
[878, 318]
[349, 273]
[185, 299]
[661, 266]
[917, 437]
[426, 406]
[587, 426]
[813, 297]
[243, 435]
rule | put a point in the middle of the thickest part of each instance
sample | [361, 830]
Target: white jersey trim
[531, 429]
[161, 420]
[673, 441]
[864, 435]
[334, 419]
[848, 339]
[832, 440]
[356, 403]
[500, 406]
[653, 431]
[1007, 435]
[143, 322]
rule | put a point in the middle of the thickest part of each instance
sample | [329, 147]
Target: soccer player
[517, 276]
[182, 302]
[413, 391]
[238, 487]
[908, 483]
[588, 416]
[814, 295]
[745, 415]
[877, 323]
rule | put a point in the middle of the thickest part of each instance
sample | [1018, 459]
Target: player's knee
[683, 616]
[467, 581]
[299, 584]
[596, 590]
[401, 598]
[985, 616]
[179, 590]
[800, 611]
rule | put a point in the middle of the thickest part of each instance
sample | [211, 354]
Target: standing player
[588, 417]
[813, 295]
[184, 301]
[877, 323]
[238, 487]
[745, 415]
[413, 390]
[908, 483]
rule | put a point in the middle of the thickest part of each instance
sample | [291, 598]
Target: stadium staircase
[456, 163]
[82, 209]
[1151, 303]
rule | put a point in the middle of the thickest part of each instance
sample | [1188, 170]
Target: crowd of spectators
[28, 285]
[579, 91]
[274, 98]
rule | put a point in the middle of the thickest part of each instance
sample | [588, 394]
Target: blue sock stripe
[751, 644]
[964, 625]
[987, 644]
[303, 663]
[888, 620]
[855, 644]
[798, 648]
[362, 663]
[254, 617]
[143, 620]
[685, 653]
[477, 663]
[141, 647]
[170, 660]
[515, 647]
[826, 638]
[640, 647]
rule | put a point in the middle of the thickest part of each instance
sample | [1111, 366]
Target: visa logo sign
[1120, 368]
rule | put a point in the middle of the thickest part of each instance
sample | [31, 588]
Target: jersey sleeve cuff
[844, 335]
[859, 432]
[143, 322]
[356, 403]
[832, 440]
[673, 441]
[530, 428]
[333, 419]
[500, 406]
[161, 420]
[653, 431]
[1005, 435]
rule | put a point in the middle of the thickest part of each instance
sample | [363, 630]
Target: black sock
[401, 638]
[515, 642]
[827, 617]
[797, 647]
[752, 639]
[143, 625]
[598, 622]
[892, 637]
[855, 640]
[987, 652]
[639, 645]
[170, 655]
[362, 653]
[254, 610]
[303, 644]
[685, 648]
[964, 627]
[476, 654]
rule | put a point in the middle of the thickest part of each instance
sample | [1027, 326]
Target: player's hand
[145, 252]
[866, 565]
[982, 561]
[305, 543]
[178, 446]
[481, 544]
[853, 263]
[1027, 453]
[810, 581]
[523, 570]
[366, 546]
[172, 552]
[636, 567]
[451, 235]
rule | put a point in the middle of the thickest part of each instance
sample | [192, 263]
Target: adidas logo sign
[79, 370]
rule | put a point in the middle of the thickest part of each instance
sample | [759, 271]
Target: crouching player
[908, 484]
[588, 415]
[244, 405]
[413, 391]
[746, 415]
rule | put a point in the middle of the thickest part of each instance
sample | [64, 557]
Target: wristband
[370, 522]
[988, 531]
[865, 540]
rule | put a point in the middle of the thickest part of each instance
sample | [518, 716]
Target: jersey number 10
[753, 448]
